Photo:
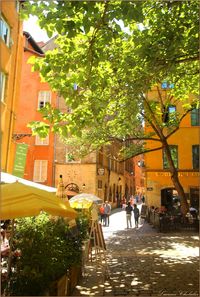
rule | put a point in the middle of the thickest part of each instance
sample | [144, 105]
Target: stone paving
[143, 262]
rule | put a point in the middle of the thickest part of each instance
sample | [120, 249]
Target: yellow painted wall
[10, 64]
[156, 177]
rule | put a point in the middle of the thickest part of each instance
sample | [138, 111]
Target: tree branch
[142, 153]
[176, 129]
[156, 128]
[134, 138]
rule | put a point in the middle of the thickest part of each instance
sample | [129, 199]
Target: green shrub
[48, 249]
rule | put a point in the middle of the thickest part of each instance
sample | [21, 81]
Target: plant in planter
[48, 249]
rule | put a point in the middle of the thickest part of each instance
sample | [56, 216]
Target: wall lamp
[141, 163]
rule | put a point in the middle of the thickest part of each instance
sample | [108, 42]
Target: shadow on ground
[143, 262]
[152, 264]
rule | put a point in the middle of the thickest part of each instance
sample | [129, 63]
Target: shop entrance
[169, 198]
[194, 197]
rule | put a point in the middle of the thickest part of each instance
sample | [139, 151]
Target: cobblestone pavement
[143, 262]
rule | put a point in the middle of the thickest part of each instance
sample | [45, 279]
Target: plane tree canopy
[109, 55]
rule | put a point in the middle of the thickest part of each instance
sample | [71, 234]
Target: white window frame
[4, 27]
[40, 141]
[43, 98]
[40, 171]
[2, 86]
[17, 6]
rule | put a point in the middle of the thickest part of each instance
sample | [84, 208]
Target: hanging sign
[20, 159]
[149, 189]
[101, 171]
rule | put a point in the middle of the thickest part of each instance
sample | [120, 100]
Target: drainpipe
[54, 148]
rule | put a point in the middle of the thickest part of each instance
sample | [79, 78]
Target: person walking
[123, 203]
[136, 214]
[102, 213]
[128, 210]
[107, 211]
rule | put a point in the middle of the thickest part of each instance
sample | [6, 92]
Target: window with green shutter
[195, 156]
[195, 117]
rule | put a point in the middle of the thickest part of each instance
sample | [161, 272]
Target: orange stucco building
[11, 46]
[186, 140]
[34, 94]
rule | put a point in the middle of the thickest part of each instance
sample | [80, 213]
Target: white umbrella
[86, 196]
[9, 178]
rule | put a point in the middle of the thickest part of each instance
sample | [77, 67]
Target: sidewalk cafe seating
[166, 221]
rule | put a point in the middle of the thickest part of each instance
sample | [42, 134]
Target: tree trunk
[175, 180]
[181, 193]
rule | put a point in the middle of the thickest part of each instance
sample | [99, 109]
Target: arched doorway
[72, 190]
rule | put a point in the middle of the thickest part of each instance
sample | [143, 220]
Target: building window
[2, 86]
[100, 156]
[195, 156]
[100, 184]
[110, 194]
[17, 5]
[114, 194]
[174, 154]
[4, 31]
[195, 117]
[70, 157]
[169, 114]
[44, 97]
[41, 141]
[40, 171]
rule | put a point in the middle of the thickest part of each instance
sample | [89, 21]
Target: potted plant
[49, 249]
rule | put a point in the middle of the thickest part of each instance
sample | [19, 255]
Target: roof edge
[33, 42]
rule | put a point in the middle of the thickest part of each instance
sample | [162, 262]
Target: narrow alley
[143, 262]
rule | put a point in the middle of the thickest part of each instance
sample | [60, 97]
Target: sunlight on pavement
[177, 251]
[118, 223]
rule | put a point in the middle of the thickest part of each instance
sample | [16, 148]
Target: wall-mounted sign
[149, 189]
[20, 159]
[101, 171]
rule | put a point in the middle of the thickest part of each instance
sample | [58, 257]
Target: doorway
[194, 197]
[169, 198]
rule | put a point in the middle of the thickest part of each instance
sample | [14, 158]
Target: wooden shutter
[40, 170]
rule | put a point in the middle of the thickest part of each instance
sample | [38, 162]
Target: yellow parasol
[20, 200]
[81, 204]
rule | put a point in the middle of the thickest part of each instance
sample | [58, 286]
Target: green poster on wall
[20, 159]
